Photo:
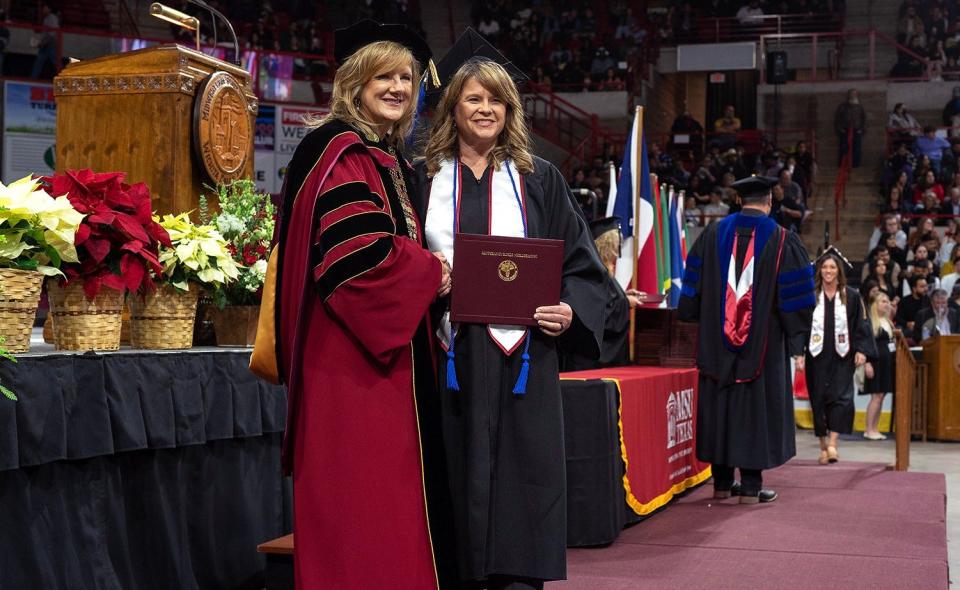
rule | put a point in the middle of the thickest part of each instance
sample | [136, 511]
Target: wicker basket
[164, 318]
[79, 324]
[236, 325]
[19, 299]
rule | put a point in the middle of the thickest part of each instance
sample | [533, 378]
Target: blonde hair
[877, 321]
[353, 76]
[608, 244]
[513, 142]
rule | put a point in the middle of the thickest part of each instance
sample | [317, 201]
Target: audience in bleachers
[569, 47]
[686, 20]
[930, 32]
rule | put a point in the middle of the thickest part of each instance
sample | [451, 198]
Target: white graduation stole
[505, 219]
[841, 333]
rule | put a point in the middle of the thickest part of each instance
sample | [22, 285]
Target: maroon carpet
[851, 525]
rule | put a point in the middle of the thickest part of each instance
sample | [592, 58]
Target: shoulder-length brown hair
[841, 278]
[513, 142]
[353, 75]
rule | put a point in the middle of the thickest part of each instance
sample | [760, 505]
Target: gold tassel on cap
[434, 77]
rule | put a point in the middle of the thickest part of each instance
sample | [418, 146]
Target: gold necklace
[401, 187]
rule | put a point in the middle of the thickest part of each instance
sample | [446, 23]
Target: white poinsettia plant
[37, 231]
[199, 255]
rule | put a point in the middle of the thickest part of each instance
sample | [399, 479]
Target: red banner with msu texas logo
[658, 414]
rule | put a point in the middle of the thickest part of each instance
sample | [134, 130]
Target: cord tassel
[452, 383]
[521, 387]
[434, 77]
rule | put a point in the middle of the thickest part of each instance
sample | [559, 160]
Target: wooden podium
[942, 354]
[168, 116]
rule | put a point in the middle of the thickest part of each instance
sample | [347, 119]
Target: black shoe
[763, 496]
[721, 494]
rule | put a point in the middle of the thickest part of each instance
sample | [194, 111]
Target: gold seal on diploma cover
[507, 270]
[222, 127]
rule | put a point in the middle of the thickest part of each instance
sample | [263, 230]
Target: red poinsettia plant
[118, 240]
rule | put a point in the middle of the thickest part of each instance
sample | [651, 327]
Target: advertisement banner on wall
[278, 132]
[291, 127]
[264, 168]
[29, 129]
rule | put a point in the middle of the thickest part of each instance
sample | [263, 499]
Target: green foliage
[246, 220]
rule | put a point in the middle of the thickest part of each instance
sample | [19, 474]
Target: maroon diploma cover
[503, 280]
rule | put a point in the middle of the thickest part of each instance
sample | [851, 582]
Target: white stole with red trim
[738, 303]
[506, 218]
[841, 335]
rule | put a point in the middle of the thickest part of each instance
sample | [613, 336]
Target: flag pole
[638, 166]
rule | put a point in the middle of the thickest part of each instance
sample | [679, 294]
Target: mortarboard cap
[598, 227]
[754, 187]
[471, 45]
[836, 253]
[348, 40]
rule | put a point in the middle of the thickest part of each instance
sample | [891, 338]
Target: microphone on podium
[226, 21]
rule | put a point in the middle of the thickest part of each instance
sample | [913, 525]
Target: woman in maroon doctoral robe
[354, 286]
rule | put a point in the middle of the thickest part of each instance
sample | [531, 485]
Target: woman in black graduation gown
[840, 340]
[880, 373]
[615, 350]
[503, 437]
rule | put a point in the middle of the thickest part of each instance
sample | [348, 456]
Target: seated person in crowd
[791, 190]
[716, 208]
[696, 191]
[926, 184]
[950, 205]
[731, 163]
[902, 124]
[901, 160]
[950, 164]
[937, 319]
[882, 254]
[889, 224]
[932, 146]
[726, 128]
[685, 124]
[879, 275]
[750, 13]
[920, 268]
[787, 211]
[910, 305]
[921, 255]
[951, 270]
[707, 174]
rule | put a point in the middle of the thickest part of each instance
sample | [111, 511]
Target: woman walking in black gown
[840, 340]
[880, 373]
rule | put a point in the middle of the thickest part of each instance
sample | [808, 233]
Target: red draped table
[651, 424]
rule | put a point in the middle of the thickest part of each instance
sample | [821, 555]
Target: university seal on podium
[222, 128]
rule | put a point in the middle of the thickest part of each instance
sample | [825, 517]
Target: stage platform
[850, 525]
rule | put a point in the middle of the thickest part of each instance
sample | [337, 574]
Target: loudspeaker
[777, 67]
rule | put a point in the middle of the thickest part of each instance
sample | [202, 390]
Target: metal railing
[731, 29]
[567, 126]
[833, 43]
[840, 186]
[751, 139]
